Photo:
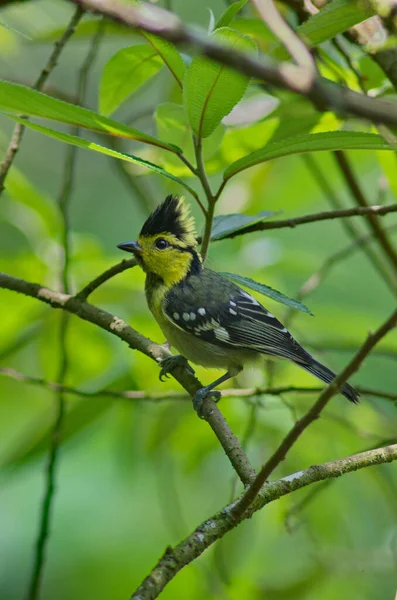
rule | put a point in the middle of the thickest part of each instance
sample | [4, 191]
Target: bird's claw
[169, 364]
[199, 397]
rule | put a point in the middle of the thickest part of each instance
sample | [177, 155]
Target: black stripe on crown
[168, 217]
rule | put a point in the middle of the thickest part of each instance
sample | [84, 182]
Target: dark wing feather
[230, 317]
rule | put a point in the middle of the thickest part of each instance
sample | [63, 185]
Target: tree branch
[50, 66]
[350, 228]
[314, 218]
[313, 413]
[325, 94]
[137, 341]
[214, 528]
[360, 200]
[180, 396]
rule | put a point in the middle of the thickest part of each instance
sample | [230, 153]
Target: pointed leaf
[169, 55]
[18, 99]
[81, 143]
[267, 291]
[223, 225]
[211, 90]
[229, 14]
[312, 142]
[126, 72]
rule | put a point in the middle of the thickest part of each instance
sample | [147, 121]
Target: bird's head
[167, 245]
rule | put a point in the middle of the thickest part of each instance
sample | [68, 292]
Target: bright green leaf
[17, 99]
[172, 125]
[223, 225]
[211, 89]
[230, 13]
[125, 72]
[314, 142]
[81, 143]
[267, 291]
[337, 16]
[169, 55]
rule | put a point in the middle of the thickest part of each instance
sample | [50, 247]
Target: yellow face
[164, 255]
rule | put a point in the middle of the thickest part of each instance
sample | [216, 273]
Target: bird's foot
[199, 397]
[168, 365]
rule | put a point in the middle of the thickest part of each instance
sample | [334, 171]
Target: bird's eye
[161, 244]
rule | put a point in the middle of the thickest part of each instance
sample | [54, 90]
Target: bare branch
[136, 341]
[180, 396]
[350, 228]
[314, 218]
[214, 528]
[360, 200]
[313, 413]
[325, 94]
[105, 276]
[50, 66]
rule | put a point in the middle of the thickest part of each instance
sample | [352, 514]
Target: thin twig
[19, 129]
[313, 413]
[351, 230]
[325, 94]
[313, 282]
[64, 204]
[181, 396]
[361, 201]
[314, 218]
[202, 175]
[136, 341]
[105, 276]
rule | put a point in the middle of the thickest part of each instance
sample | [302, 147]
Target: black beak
[133, 247]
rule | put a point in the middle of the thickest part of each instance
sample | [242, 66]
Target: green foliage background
[137, 476]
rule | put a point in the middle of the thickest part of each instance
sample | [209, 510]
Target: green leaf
[223, 225]
[172, 125]
[125, 72]
[337, 16]
[18, 99]
[81, 143]
[267, 291]
[169, 55]
[312, 142]
[211, 89]
[230, 13]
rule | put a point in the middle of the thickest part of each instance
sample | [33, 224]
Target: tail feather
[326, 375]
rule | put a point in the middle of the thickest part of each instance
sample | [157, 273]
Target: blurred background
[136, 476]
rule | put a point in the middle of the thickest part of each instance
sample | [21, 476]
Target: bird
[207, 318]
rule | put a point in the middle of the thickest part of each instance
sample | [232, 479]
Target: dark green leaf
[126, 72]
[211, 90]
[312, 142]
[17, 100]
[223, 225]
[230, 13]
[169, 55]
[267, 291]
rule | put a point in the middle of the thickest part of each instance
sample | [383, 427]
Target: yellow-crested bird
[210, 320]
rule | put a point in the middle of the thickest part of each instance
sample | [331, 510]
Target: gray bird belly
[206, 354]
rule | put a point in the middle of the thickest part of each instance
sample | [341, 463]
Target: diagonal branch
[378, 231]
[325, 94]
[313, 413]
[216, 527]
[50, 66]
[137, 341]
